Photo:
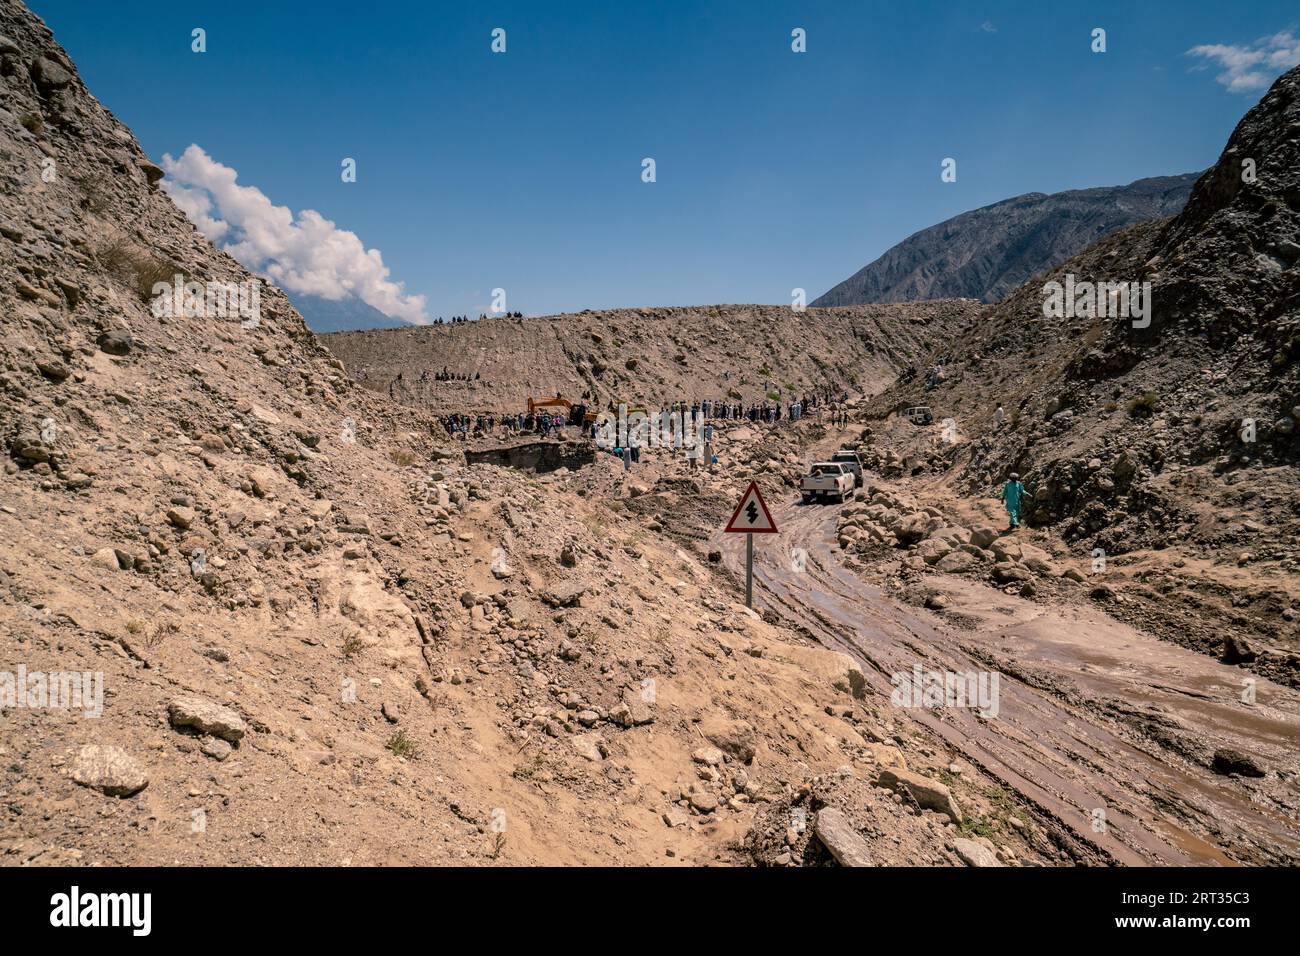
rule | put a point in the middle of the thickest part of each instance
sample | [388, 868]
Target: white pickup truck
[847, 456]
[827, 479]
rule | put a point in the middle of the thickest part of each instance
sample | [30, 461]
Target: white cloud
[1253, 66]
[311, 255]
[988, 27]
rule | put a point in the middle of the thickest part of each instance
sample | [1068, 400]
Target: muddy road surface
[1104, 732]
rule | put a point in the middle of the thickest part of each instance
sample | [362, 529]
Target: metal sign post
[749, 570]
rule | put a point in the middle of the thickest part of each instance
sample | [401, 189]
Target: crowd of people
[544, 422]
[446, 376]
[553, 420]
[458, 319]
[765, 411]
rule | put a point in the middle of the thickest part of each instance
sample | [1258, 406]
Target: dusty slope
[312, 649]
[651, 355]
[986, 253]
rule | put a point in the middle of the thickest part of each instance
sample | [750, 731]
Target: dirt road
[1093, 715]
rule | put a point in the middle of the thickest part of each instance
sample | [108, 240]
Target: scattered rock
[704, 801]
[736, 738]
[116, 342]
[587, 746]
[676, 817]
[709, 756]
[975, 854]
[836, 833]
[206, 717]
[109, 769]
[928, 794]
[1237, 650]
[566, 596]
[181, 518]
[216, 748]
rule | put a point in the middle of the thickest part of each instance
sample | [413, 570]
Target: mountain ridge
[985, 253]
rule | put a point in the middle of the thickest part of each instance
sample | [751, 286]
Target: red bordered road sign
[752, 516]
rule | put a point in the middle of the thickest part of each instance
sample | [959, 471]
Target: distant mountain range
[986, 253]
[345, 315]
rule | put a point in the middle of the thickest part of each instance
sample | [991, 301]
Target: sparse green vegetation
[33, 123]
[529, 769]
[352, 646]
[401, 745]
[977, 827]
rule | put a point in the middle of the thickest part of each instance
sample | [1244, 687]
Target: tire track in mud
[1064, 761]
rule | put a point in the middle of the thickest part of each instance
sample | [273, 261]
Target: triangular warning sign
[752, 516]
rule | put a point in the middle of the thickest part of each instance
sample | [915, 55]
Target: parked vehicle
[827, 479]
[847, 456]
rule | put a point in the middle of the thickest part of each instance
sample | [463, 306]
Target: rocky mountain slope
[986, 253]
[1169, 449]
[323, 637]
[651, 355]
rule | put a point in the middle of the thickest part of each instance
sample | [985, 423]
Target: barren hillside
[650, 355]
[987, 253]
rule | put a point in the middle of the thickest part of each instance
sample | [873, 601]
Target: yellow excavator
[561, 406]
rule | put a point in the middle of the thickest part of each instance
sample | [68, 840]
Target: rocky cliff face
[986, 253]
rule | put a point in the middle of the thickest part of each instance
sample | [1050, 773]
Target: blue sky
[774, 169]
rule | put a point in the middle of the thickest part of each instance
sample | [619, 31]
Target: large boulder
[49, 76]
[928, 794]
[932, 549]
[836, 833]
[835, 667]
[973, 853]
[912, 528]
[1005, 549]
[951, 535]
[206, 717]
[1006, 572]
[110, 770]
[956, 561]
[735, 738]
